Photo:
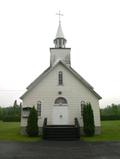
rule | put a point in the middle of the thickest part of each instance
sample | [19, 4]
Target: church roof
[49, 69]
[59, 32]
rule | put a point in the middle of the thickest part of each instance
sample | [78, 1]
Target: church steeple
[60, 52]
[60, 41]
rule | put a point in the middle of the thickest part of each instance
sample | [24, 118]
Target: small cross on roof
[59, 14]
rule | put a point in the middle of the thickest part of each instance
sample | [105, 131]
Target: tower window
[60, 78]
[39, 108]
[60, 43]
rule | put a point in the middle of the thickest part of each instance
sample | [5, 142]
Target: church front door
[60, 115]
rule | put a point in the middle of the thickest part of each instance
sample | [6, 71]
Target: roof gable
[49, 69]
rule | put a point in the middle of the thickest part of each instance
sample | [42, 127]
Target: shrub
[32, 126]
[88, 120]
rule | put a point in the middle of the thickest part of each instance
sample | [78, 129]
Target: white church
[59, 93]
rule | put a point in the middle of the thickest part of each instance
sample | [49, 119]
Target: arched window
[60, 78]
[82, 107]
[60, 101]
[39, 108]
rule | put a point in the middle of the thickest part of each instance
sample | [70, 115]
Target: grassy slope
[110, 131]
[10, 131]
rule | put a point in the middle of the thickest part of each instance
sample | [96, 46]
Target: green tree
[20, 105]
[15, 104]
[32, 126]
[88, 120]
[115, 109]
[1, 113]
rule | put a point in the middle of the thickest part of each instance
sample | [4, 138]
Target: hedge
[110, 117]
[11, 118]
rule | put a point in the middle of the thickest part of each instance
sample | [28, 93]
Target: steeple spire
[59, 32]
[59, 41]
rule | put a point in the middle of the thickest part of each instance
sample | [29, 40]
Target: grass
[10, 131]
[110, 131]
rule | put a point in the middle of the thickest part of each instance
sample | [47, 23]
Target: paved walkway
[60, 150]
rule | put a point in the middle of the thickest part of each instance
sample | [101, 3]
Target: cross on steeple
[59, 14]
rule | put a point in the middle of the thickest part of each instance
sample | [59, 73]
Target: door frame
[58, 113]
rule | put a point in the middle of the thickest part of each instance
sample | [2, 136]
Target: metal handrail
[77, 123]
[44, 128]
[77, 126]
[45, 122]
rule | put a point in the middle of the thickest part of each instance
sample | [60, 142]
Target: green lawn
[10, 131]
[110, 131]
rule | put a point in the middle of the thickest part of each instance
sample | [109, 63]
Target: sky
[27, 31]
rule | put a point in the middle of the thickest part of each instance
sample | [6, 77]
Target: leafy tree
[20, 108]
[32, 126]
[114, 109]
[1, 112]
[88, 120]
[111, 112]
[11, 113]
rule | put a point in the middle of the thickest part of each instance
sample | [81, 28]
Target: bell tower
[60, 41]
[60, 52]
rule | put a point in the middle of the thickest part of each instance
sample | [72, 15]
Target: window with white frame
[60, 78]
[39, 108]
[60, 101]
[82, 107]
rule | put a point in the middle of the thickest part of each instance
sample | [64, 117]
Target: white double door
[60, 115]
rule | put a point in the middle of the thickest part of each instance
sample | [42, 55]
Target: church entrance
[60, 112]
